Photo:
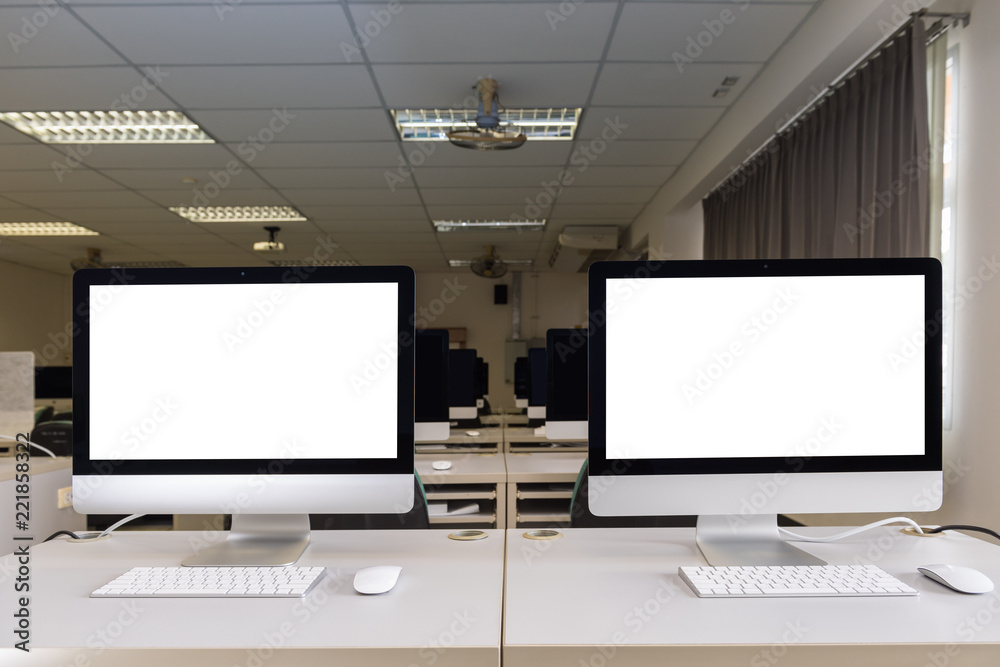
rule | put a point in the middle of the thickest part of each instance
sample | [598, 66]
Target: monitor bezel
[601, 272]
[401, 463]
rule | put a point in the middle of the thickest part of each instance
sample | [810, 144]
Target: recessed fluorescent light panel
[239, 213]
[457, 263]
[108, 127]
[488, 225]
[44, 229]
[314, 262]
[537, 124]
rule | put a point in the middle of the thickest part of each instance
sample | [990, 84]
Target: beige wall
[462, 299]
[972, 449]
[35, 314]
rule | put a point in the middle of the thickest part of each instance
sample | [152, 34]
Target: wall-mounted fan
[488, 133]
[489, 265]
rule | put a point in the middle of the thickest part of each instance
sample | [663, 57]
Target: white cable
[33, 444]
[112, 527]
[853, 531]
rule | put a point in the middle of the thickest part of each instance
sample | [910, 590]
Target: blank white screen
[268, 371]
[764, 367]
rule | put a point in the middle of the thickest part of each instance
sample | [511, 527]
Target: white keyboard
[212, 582]
[760, 581]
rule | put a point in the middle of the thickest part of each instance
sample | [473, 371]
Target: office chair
[417, 517]
[44, 414]
[66, 416]
[582, 517]
[56, 436]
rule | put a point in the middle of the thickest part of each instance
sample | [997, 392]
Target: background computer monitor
[53, 382]
[739, 390]
[521, 382]
[566, 384]
[258, 392]
[462, 384]
[431, 382]
[537, 380]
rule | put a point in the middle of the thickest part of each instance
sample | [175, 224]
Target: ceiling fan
[489, 265]
[488, 132]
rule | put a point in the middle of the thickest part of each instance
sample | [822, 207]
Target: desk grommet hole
[542, 534]
[909, 530]
[468, 535]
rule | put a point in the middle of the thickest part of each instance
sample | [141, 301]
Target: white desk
[612, 597]
[47, 476]
[444, 610]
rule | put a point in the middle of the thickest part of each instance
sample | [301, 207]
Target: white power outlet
[64, 497]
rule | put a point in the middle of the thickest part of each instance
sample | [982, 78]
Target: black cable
[957, 526]
[62, 532]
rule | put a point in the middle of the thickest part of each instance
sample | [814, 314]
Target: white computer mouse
[472, 434]
[376, 579]
[958, 577]
[441, 465]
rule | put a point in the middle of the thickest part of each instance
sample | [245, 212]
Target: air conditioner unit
[595, 237]
[581, 245]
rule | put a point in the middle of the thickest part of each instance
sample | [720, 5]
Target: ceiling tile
[352, 197]
[83, 89]
[81, 198]
[603, 175]
[237, 178]
[447, 86]
[485, 176]
[327, 154]
[47, 180]
[656, 84]
[201, 34]
[703, 31]
[290, 124]
[648, 122]
[515, 197]
[226, 197]
[43, 34]
[372, 178]
[120, 156]
[631, 153]
[291, 86]
[488, 32]
[373, 226]
[31, 156]
[357, 213]
[606, 195]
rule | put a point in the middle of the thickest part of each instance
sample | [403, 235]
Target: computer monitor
[521, 380]
[462, 384]
[53, 382]
[566, 384]
[740, 390]
[264, 393]
[431, 383]
[537, 379]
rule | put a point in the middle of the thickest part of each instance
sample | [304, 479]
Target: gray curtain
[850, 179]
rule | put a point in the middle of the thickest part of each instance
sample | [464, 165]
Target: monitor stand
[747, 540]
[260, 540]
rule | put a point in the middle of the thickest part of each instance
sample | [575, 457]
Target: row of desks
[590, 597]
